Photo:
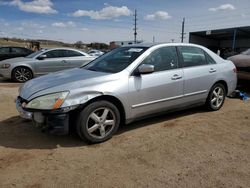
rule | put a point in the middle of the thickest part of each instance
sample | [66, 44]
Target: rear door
[77, 59]
[159, 90]
[200, 72]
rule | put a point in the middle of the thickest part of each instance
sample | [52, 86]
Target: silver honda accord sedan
[124, 85]
[42, 62]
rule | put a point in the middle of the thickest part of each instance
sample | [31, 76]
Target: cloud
[59, 24]
[108, 12]
[64, 24]
[159, 15]
[35, 6]
[224, 7]
[32, 25]
[84, 29]
[3, 22]
[19, 28]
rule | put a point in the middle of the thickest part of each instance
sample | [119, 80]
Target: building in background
[227, 41]
[115, 44]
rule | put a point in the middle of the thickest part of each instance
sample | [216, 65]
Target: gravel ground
[191, 148]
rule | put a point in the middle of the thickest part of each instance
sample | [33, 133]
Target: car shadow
[159, 118]
[18, 133]
[244, 86]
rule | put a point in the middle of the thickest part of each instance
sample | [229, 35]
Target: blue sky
[110, 20]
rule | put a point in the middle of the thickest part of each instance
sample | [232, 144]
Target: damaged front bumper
[56, 121]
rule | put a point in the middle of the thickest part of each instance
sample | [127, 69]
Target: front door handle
[176, 77]
[64, 61]
[212, 70]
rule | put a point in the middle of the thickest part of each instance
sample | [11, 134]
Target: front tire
[98, 121]
[22, 74]
[216, 97]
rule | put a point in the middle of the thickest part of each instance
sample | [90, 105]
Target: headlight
[48, 102]
[5, 66]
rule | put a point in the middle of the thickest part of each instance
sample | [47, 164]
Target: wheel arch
[112, 99]
[24, 66]
[224, 83]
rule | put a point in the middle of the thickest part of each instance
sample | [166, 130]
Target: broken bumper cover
[56, 122]
[24, 114]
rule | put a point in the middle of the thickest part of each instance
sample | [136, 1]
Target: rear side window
[210, 60]
[164, 58]
[192, 56]
[71, 53]
[56, 53]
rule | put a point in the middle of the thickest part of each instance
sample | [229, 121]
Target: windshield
[35, 54]
[247, 52]
[116, 60]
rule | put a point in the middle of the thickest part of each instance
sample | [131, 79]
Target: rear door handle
[64, 61]
[212, 70]
[176, 77]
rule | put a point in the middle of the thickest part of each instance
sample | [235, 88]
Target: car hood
[16, 60]
[63, 78]
[240, 60]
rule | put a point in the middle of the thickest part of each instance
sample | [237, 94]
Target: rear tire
[216, 97]
[22, 74]
[98, 121]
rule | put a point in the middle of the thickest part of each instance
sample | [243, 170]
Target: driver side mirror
[145, 69]
[42, 57]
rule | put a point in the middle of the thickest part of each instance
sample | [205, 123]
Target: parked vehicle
[126, 84]
[95, 52]
[242, 63]
[43, 62]
[8, 52]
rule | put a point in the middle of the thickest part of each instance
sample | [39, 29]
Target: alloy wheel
[101, 122]
[217, 97]
[22, 74]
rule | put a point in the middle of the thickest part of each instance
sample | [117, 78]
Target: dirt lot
[192, 148]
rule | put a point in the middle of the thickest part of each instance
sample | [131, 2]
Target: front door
[159, 90]
[55, 60]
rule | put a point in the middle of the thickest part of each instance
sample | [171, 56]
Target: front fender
[22, 65]
[80, 98]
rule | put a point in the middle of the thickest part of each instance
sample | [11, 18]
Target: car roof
[60, 48]
[149, 45]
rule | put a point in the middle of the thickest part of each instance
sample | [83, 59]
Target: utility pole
[182, 30]
[135, 27]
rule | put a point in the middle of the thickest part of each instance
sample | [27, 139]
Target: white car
[95, 52]
[43, 62]
[124, 85]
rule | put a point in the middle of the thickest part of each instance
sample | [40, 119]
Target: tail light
[235, 70]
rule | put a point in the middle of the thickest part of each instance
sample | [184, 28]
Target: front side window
[192, 56]
[116, 60]
[164, 58]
